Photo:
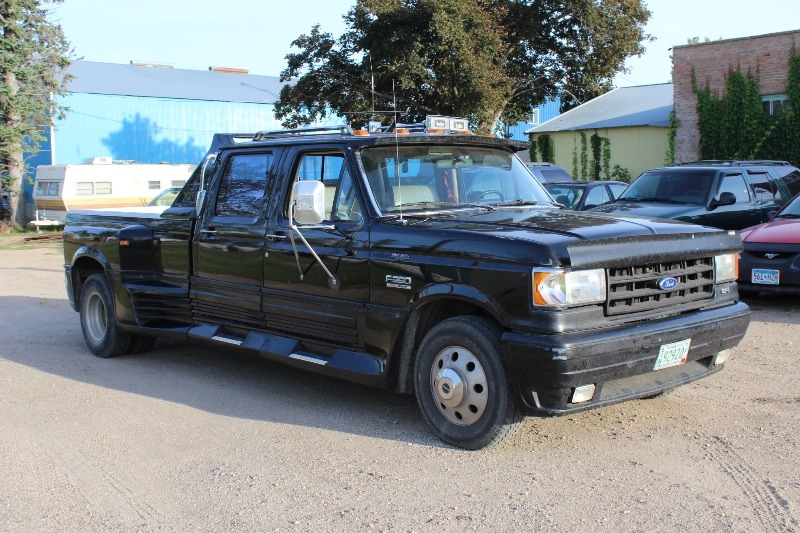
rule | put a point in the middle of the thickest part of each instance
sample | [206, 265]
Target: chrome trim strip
[308, 359]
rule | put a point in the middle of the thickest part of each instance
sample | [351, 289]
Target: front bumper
[545, 369]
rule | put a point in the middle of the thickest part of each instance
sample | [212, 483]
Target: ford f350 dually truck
[426, 261]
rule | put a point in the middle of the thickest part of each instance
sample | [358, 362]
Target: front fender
[93, 253]
[457, 291]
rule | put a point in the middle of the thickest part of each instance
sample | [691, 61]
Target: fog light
[722, 357]
[584, 393]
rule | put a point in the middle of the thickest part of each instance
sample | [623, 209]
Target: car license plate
[766, 276]
[672, 354]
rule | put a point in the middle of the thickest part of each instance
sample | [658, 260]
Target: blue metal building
[153, 115]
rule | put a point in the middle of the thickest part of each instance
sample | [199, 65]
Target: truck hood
[651, 209]
[575, 238]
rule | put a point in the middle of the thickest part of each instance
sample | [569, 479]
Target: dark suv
[548, 173]
[721, 194]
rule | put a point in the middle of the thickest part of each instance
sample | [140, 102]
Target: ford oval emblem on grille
[666, 284]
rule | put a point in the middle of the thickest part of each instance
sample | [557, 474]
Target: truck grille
[635, 289]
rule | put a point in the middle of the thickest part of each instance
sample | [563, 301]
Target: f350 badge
[398, 282]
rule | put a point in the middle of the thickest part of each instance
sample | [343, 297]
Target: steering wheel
[484, 194]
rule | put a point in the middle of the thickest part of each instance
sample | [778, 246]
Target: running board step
[227, 340]
[309, 358]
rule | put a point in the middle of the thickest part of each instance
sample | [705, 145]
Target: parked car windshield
[676, 186]
[792, 209]
[439, 177]
[566, 194]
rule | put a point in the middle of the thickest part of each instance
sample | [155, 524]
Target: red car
[770, 261]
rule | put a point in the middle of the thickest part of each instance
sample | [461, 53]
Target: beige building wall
[636, 148]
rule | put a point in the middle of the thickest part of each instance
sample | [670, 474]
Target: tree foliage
[33, 54]
[487, 60]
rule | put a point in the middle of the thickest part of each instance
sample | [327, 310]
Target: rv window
[88, 188]
[48, 188]
[156, 185]
[85, 188]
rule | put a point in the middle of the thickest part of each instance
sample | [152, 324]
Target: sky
[256, 34]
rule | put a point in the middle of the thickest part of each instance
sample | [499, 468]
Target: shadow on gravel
[777, 308]
[45, 334]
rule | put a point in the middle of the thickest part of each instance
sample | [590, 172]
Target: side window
[241, 190]
[792, 180]
[735, 184]
[596, 196]
[765, 189]
[341, 202]
[616, 189]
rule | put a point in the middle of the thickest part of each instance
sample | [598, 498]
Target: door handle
[208, 232]
[277, 236]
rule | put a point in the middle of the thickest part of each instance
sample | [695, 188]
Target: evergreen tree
[33, 56]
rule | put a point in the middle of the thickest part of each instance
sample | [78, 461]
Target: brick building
[764, 55]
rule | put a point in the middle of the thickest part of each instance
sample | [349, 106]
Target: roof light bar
[442, 123]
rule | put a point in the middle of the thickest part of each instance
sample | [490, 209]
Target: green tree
[487, 60]
[33, 55]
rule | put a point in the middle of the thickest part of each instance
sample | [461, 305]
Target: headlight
[561, 288]
[726, 268]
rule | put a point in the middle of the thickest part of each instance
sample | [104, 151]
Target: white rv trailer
[101, 184]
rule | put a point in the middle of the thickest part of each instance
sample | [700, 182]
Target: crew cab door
[313, 307]
[767, 193]
[229, 242]
[741, 214]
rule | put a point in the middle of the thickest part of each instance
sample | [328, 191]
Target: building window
[154, 185]
[178, 183]
[775, 104]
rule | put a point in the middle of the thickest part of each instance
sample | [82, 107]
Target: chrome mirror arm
[293, 228]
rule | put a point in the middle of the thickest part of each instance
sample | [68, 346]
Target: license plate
[672, 354]
[766, 276]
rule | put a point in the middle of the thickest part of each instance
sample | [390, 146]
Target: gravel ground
[188, 438]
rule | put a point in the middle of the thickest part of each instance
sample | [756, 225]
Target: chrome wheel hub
[95, 318]
[459, 385]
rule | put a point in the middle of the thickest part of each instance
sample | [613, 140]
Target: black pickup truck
[426, 262]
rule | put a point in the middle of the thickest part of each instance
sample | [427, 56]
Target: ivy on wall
[586, 165]
[669, 157]
[735, 126]
[584, 158]
[544, 146]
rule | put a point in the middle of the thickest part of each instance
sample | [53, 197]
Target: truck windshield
[408, 178]
[685, 187]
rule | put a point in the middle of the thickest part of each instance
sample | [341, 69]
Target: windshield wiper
[651, 199]
[788, 215]
[422, 204]
[479, 206]
[517, 202]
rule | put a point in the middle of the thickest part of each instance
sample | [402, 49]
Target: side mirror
[308, 209]
[771, 215]
[309, 202]
[725, 198]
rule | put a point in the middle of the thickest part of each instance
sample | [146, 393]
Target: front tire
[462, 384]
[98, 321]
